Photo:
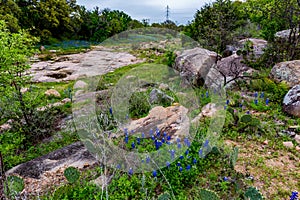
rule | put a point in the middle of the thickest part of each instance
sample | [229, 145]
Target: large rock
[227, 69]
[80, 85]
[258, 45]
[52, 92]
[285, 34]
[173, 120]
[194, 64]
[288, 72]
[291, 102]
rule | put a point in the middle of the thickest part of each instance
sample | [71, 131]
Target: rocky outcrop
[258, 45]
[228, 68]
[72, 67]
[291, 102]
[285, 34]
[288, 72]
[75, 155]
[173, 120]
[194, 64]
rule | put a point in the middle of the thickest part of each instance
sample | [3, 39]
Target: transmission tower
[168, 13]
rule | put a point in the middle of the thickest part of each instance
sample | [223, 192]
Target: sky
[181, 11]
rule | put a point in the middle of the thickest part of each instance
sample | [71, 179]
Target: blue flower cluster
[294, 195]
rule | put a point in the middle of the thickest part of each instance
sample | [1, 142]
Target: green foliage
[208, 194]
[234, 157]
[71, 174]
[139, 105]
[13, 186]
[253, 194]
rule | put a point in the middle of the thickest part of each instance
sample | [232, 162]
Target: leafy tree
[214, 23]
[9, 11]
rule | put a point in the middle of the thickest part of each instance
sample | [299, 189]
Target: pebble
[266, 142]
[288, 144]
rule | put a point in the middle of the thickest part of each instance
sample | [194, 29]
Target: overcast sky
[181, 11]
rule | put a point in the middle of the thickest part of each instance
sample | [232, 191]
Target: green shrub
[71, 174]
[13, 186]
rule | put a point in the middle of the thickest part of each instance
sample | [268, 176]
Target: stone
[75, 155]
[5, 127]
[24, 90]
[209, 110]
[80, 85]
[297, 138]
[173, 120]
[227, 69]
[258, 45]
[52, 92]
[158, 97]
[288, 144]
[284, 34]
[266, 142]
[288, 72]
[291, 101]
[194, 64]
[66, 100]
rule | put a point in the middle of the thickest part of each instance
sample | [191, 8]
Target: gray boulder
[291, 101]
[288, 72]
[194, 64]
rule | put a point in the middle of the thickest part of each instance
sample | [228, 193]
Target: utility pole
[168, 13]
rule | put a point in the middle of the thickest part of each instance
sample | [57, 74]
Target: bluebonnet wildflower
[207, 94]
[255, 94]
[148, 160]
[179, 146]
[138, 141]
[152, 137]
[163, 140]
[178, 164]
[126, 139]
[180, 169]
[143, 161]
[118, 166]
[110, 110]
[194, 161]
[227, 101]
[151, 132]
[225, 107]
[130, 171]
[172, 154]
[143, 135]
[200, 153]
[294, 195]
[187, 142]
[225, 178]
[168, 164]
[248, 112]
[126, 132]
[178, 140]
[241, 105]
[262, 95]
[188, 167]
[168, 137]
[206, 143]
[255, 101]
[181, 157]
[164, 134]
[157, 133]
[154, 173]
[186, 152]
[267, 101]
[132, 145]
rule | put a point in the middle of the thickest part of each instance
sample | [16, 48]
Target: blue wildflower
[143, 135]
[147, 160]
[178, 164]
[227, 101]
[200, 153]
[118, 166]
[262, 95]
[267, 101]
[168, 164]
[181, 157]
[163, 140]
[294, 195]
[126, 139]
[188, 167]
[154, 173]
[178, 140]
[186, 152]
[241, 105]
[225, 178]
[132, 145]
[168, 137]
[248, 112]
[165, 134]
[172, 154]
[256, 94]
[179, 146]
[130, 171]
[207, 95]
[206, 143]
[202, 95]
[180, 169]
[110, 110]
[225, 107]
[152, 137]
[194, 161]
[255, 101]
[138, 140]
